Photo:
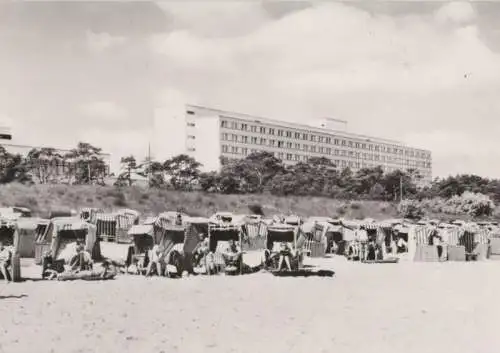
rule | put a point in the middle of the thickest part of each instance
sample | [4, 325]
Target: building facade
[212, 133]
[59, 167]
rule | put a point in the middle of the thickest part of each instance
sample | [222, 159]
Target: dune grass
[42, 199]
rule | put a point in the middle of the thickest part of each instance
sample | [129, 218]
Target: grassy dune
[44, 198]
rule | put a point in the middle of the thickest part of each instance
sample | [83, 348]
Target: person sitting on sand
[393, 246]
[201, 250]
[82, 260]
[48, 265]
[285, 253]
[401, 245]
[155, 260]
[205, 256]
[374, 251]
[5, 261]
[371, 251]
[108, 270]
[232, 254]
[354, 249]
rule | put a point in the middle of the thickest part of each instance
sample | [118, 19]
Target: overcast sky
[111, 74]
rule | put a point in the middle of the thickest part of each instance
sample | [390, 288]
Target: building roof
[28, 147]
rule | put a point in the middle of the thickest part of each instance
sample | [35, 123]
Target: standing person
[436, 240]
[178, 219]
[155, 259]
[371, 253]
[5, 261]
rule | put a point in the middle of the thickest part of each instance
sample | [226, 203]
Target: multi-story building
[5, 133]
[212, 133]
[59, 166]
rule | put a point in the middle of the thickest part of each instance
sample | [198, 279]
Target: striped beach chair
[218, 237]
[424, 252]
[254, 236]
[106, 226]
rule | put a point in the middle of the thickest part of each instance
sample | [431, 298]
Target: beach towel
[86, 276]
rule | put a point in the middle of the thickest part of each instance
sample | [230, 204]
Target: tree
[12, 168]
[392, 183]
[210, 182]
[89, 167]
[155, 171]
[285, 184]
[377, 192]
[317, 177]
[182, 171]
[128, 166]
[46, 165]
[254, 172]
[346, 178]
[365, 181]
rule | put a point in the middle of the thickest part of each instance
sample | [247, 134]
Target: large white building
[212, 133]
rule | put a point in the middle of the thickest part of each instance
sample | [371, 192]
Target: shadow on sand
[13, 296]
[304, 273]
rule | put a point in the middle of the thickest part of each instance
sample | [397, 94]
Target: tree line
[260, 172]
[83, 164]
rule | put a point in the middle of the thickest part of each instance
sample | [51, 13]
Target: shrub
[472, 204]
[377, 192]
[120, 200]
[355, 206]
[410, 209]
[341, 211]
[256, 209]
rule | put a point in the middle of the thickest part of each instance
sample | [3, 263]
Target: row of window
[321, 139]
[339, 163]
[323, 150]
[296, 157]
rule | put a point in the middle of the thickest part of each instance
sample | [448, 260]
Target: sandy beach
[408, 307]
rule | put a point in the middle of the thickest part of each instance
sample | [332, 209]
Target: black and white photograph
[243, 176]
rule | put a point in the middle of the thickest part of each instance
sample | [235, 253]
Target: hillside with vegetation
[260, 183]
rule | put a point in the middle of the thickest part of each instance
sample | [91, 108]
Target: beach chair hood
[281, 233]
[141, 229]
[56, 232]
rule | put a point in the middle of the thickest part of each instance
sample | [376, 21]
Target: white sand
[408, 307]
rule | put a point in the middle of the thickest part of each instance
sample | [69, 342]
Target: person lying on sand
[5, 261]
